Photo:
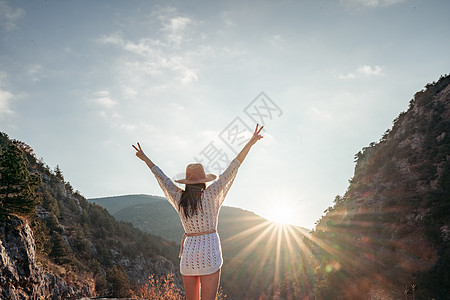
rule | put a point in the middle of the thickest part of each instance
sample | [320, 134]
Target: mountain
[54, 244]
[155, 215]
[116, 203]
[388, 236]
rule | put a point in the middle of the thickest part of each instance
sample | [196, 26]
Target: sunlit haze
[81, 81]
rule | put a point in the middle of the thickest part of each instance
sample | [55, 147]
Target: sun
[281, 215]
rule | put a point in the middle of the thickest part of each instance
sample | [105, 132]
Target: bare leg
[192, 287]
[210, 284]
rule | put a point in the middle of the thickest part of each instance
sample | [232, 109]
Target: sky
[81, 81]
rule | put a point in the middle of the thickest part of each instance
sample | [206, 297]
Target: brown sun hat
[196, 174]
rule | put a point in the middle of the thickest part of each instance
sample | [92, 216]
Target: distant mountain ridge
[155, 215]
[116, 203]
[248, 241]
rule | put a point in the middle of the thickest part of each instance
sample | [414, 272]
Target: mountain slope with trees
[54, 243]
[388, 236]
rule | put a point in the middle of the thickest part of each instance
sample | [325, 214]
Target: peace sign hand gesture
[256, 136]
[140, 153]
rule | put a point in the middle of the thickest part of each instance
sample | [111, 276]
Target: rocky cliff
[21, 277]
[388, 235]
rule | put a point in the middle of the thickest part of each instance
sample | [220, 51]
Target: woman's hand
[139, 152]
[256, 136]
[141, 155]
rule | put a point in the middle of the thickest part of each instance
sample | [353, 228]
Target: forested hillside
[388, 235]
[54, 243]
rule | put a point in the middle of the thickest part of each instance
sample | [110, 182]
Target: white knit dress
[202, 255]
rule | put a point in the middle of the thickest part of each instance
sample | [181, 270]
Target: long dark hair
[190, 200]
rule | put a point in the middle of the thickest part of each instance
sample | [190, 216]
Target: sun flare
[281, 215]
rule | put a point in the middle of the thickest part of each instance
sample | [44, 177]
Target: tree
[60, 250]
[17, 185]
[119, 282]
[59, 173]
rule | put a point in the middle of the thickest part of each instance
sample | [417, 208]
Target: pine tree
[17, 185]
[119, 281]
[60, 250]
[59, 173]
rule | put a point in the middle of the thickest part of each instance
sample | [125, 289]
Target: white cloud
[363, 70]
[369, 71]
[369, 3]
[5, 96]
[5, 99]
[189, 76]
[104, 99]
[176, 28]
[9, 16]
[114, 39]
[177, 24]
[173, 26]
[161, 59]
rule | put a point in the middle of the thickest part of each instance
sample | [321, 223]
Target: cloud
[363, 70]
[5, 99]
[9, 16]
[175, 28]
[161, 58]
[369, 3]
[113, 39]
[188, 77]
[168, 57]
[369, 71]
[103, 98]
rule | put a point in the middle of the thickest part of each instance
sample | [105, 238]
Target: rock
[20, 276]
[440, 137]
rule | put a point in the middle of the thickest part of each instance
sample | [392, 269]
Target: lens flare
[281, 215]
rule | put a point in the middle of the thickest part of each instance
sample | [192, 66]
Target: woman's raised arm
[256, 137]
[141, 155]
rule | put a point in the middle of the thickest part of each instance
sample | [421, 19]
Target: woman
[198, 207]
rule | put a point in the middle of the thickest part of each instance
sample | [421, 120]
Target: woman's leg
[210, 284]
[192, 287]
